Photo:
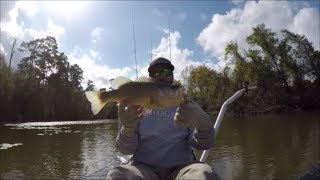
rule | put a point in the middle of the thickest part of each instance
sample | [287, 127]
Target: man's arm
[127, 138]
[202, 140]
[191, 115]
[126, 145]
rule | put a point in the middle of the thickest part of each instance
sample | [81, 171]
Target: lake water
[276, 146]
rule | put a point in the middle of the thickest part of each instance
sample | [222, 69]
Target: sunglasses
[161, 73]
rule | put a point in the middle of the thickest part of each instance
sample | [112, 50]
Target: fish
[142, 92]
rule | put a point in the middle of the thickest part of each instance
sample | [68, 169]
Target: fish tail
[97, 100]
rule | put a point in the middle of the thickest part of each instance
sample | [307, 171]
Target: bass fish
[143, 92]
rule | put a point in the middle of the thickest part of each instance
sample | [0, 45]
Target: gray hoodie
[159, 143]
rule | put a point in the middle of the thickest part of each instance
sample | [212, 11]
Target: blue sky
[98, 35]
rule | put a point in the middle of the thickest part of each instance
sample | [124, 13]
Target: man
[161, 142]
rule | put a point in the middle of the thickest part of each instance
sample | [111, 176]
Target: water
[278, 146]
[57, 150]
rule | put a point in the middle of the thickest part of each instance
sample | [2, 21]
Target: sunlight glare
[67, 8]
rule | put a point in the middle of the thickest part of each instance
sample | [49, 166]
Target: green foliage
[44, 88]
[286, 72]
[76, 74]
[208, 87]
[6, 89]
[90, 86]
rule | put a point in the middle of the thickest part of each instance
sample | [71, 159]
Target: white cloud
[29, 7]
[51, 30]
[66, 9]
[180, 58]
[99, 74]
[16, 31]
[11, 26]
[94, 54]
[237, 24]
[5, 7]
[96, 34]
[302, 25]
[11, 29]
[165, 31]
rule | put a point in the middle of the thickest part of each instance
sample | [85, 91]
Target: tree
[49, 81]
[207, 87]
[286, 72]
[75, 76]
[90, 86]
[306, 60]
[266, 40]
[6, 89]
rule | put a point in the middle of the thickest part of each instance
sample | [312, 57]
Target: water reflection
[273, 146]
[98, 149]
[58, 149]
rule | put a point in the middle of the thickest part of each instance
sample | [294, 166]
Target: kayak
[97, 175]
[312, 174]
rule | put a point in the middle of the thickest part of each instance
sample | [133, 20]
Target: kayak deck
[312, 174]
[99, 174]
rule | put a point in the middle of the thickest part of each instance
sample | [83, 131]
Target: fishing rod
[223, 109]
[134, 45]
[151, 45]
[169, 39]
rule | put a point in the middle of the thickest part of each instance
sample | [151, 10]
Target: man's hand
[129, 117]
[191, 115]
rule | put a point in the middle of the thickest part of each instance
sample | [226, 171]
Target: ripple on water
[13, 174]
[7, 145]
[57, 127]
[37, 125]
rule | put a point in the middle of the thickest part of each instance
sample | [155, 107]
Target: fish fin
[119, 81]
[97, 103]
[143, 79]
[146, 111]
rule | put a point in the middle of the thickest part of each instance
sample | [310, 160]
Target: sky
[98, 35]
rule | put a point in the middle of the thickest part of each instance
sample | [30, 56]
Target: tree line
[45, 87]
[286, 72]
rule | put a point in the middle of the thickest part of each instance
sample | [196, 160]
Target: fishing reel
[245, 85]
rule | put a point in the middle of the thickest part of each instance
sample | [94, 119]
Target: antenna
[151, 44]
[169, 38]
[134, 45]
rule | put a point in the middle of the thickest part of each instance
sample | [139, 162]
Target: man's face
[161, 74]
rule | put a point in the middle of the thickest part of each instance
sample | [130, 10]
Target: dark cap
[163, 62]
